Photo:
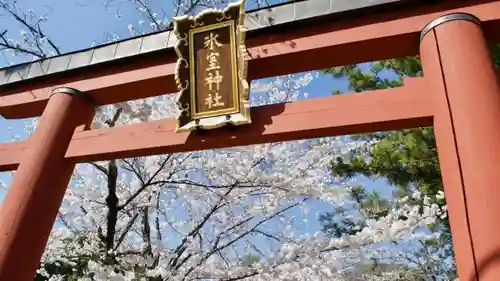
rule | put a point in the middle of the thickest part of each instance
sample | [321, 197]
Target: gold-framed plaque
[211, 71]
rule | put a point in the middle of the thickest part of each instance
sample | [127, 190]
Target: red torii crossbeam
[458, 94]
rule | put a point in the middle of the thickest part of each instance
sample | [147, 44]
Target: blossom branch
[35, 38]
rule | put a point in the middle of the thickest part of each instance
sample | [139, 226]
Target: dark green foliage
[341, 221]
[407, 159]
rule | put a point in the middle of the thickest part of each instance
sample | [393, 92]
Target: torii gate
[458, 95]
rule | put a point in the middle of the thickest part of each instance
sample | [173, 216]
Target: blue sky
[75, 24]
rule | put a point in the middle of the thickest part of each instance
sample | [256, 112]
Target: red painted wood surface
[391, 109]
[380, 36]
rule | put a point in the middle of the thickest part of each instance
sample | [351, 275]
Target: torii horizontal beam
[310, 46]
[404, 107]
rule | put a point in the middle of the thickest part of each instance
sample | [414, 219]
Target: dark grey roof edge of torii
[256, 20]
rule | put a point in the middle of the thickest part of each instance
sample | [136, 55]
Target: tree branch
[112, 203]
[126, 230]
[148, 183]
[34, 29]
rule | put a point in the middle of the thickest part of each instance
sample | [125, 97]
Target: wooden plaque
[211, 69]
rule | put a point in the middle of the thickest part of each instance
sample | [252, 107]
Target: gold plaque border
[234, 70]
[241, 115]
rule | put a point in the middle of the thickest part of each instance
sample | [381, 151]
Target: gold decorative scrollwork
[223, 17]
[183, 110]
[183, 60]
[197, 24]
[182, 87]
[180, 62]
[183, 38]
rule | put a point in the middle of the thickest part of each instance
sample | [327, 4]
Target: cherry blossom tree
[240, 213]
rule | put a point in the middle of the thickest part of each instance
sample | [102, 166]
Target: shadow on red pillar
[459, 68]
[30, 207]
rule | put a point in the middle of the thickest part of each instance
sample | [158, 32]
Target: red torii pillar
[457, 63]
[30, 207]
